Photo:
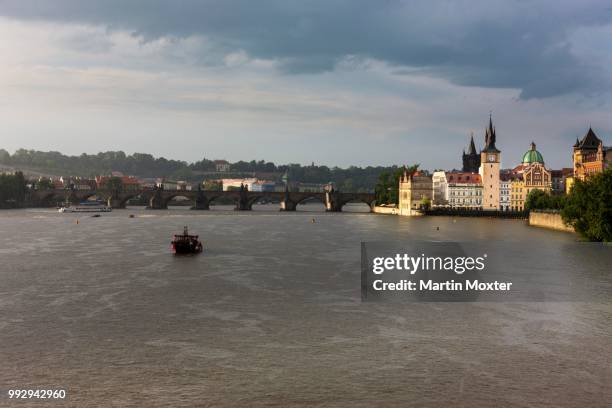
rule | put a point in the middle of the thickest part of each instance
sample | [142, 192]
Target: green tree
[5, 157]
[352, 179]
[212, 185]
[425, 203]
[382, 188]
[387, 188]
[44, 184]
[541, 200]
[114, 184]
[536, 200]
[12, 190]
[588, 207]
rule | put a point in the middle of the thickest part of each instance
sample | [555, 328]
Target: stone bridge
[158, 199]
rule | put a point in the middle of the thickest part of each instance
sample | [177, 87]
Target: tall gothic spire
[490, 137]
[472, 148]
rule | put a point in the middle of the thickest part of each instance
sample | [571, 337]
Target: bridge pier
[288, 205]
[332, 201]
[113, 202]
[243, 206]
[243, 200]
[201, 201]
[201, 205]
[157, 202]
[333, 208]
[71, 198]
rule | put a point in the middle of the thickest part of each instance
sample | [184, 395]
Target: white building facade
[456, 189]
[440, 185]
[505, 186]
[464, 190]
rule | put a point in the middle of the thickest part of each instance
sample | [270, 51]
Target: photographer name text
[422, 263]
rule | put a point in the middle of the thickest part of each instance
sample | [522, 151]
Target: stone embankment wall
[548, 219]
[386, 210]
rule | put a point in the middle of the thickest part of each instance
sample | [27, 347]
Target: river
[271, 314]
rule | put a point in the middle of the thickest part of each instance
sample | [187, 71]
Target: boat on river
[185, 243]
[86, 207]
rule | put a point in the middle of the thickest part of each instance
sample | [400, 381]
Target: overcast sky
[337, 82]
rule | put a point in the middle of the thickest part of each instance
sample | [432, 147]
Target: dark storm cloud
[514, 44]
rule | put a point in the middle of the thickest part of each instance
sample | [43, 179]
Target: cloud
[526, 45]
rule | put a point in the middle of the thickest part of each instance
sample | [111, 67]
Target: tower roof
[532, 155]
[490, 138]
[472, 148]
[590, 140]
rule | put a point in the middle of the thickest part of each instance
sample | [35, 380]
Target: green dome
[532, 156]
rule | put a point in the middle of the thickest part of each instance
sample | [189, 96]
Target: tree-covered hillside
[145, 165]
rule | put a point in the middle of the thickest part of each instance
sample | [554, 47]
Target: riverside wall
[386, 210]
[548, 219]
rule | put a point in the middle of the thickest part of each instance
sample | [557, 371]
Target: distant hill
[36, 163]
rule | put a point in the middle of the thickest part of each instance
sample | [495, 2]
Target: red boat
[186, 244]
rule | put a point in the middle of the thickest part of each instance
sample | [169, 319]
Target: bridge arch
[313, 197]
[99, 194]
[53, 197]
[212, 198]
[187, 194]
[316, 199]
[255, 197]
[128, 196]
[358, 199]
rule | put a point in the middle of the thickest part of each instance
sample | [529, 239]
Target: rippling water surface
[270, 314]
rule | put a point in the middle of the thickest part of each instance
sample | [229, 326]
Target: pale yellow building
[517, 194]
[414, 189]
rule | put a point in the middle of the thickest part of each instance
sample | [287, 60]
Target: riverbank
[463, 212]
[550, 219]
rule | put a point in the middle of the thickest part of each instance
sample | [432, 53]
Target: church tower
[471, 159]
[490, 159]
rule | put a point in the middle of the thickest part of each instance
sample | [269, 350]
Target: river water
[271, 315]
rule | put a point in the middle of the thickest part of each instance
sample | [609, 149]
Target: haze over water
[271, 314]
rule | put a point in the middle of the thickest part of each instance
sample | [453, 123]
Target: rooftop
[463, 177]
